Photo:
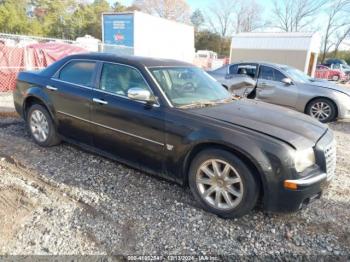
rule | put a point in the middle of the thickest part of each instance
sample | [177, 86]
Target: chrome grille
[330, 153]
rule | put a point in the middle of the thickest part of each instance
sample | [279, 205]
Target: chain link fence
[19, 53]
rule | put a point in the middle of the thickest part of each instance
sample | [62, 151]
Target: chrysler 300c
[170, 118]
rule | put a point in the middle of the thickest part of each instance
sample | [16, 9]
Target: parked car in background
[172, 119]
[239, 82]
[344, 68]
[324, 72]
[334, 61]
[287, 86]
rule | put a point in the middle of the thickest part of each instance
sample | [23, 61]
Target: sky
[201, 4]
[204, 5]
[267, 6]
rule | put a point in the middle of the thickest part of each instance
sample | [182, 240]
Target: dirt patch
[15, 206]
[8, 114]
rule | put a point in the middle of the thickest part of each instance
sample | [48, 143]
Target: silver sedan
[286, 86]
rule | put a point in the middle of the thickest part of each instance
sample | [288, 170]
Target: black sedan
[172, 119]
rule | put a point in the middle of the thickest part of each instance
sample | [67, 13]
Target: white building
[299, 50]
[147, 35]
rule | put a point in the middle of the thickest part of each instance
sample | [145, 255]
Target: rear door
[70, 90]
[130, 130]
[271, 89]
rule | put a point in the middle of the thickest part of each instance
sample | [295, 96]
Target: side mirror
[287, 81]
[141, 94]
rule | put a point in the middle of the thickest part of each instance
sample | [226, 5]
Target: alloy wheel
[321, 111]
[219, 184]
[39, 126]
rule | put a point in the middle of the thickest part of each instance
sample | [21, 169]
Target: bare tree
[295, 15]
[228, 16]
[177, 10]
[340, 38]
[248, 16]
[336, 21]
[220, 17]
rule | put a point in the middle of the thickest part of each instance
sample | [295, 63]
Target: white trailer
[146, 35]
[299, 50]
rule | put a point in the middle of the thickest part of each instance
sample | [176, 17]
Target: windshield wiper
[208, 103]
[199, 104]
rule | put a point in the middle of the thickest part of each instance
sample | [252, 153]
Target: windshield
[297, 75]
[190, 86]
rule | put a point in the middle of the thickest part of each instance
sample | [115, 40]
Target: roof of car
[260, 63]
[131, 60]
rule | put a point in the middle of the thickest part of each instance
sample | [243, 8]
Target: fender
[198, 140]
[40, 94]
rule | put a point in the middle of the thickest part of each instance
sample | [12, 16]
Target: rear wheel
[222, 183]
[41, 126]
[323, 109]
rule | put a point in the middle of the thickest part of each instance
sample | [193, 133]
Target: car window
[269, 73]
[119, 79]
[78, 72]
[233, 69]
[247, 69]
[220, 71]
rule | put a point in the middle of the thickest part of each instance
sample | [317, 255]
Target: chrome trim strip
[113, 129]
[125, 97]
[308, 181]
[62, 81]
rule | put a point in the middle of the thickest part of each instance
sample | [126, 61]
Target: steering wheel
[188, 87]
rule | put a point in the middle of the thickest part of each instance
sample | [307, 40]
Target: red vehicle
[324, 72]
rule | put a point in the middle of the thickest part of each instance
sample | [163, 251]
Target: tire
[247, 186]
[39, 121]
[327, 114]
[335, 78]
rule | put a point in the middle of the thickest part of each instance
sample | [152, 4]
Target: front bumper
[308, 189]
[308, 181]
[343, 105]
[291, 194]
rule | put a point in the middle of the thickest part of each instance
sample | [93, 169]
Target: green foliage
[207, 40]
[67, 19]
[70, 19]
[197, 19]
[340, 55]
[13, 16]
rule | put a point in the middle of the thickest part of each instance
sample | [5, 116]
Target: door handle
[51, 88]
[99, 101]
[263, 84]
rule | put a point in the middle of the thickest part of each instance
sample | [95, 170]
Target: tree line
[214, 25]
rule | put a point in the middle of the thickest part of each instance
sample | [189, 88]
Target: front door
[130, 130]
[70, 91]
[271, 89]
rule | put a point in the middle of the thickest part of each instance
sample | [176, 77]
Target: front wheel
[41, 126]
[322, 109]
[223, 184]
[335, 78]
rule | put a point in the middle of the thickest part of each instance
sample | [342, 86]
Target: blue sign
[118, 29]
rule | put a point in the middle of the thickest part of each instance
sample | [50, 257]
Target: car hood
[294, 128]
[329, 85]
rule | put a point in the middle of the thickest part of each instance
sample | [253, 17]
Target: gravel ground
[63, 200]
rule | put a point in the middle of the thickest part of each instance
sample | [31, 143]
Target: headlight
[304, 159]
